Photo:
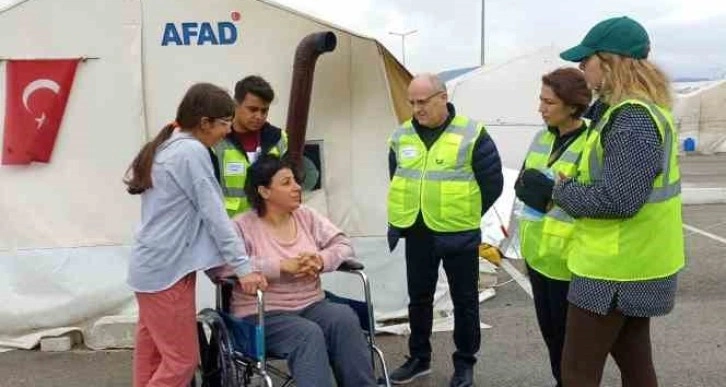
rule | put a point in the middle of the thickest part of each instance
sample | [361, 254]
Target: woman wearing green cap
[627, 244]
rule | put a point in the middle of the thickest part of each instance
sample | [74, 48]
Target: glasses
[425, 101]
[224, 120]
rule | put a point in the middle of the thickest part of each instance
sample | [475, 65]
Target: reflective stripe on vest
[543, 242]
[648, 245]
[438, 182]
[281, 147]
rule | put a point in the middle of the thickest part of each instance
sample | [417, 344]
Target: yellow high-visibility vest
[233, 163]
[650, 244]
[543, 241]
[438, 182]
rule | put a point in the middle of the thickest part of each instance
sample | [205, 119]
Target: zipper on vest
[421, 180]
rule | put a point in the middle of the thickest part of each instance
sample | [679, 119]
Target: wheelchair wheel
[217, 365]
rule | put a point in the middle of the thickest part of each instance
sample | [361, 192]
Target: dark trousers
[462, 272]
[589, 339]
[550, 303]
[319, 337]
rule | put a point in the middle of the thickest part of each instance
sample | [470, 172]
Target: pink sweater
[314, 233]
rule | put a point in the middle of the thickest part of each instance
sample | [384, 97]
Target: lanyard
[557, 153]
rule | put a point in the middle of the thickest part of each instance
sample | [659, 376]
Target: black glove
[394, 234]
[534, 188]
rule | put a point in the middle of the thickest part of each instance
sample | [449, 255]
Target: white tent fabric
[700, 115]
[505, 97]
[68, 225]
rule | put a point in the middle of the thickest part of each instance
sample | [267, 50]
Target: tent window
[312, 164]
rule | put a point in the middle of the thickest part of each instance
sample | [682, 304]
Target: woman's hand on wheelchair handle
[253, 281]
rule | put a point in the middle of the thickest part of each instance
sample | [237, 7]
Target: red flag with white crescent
[35, 100]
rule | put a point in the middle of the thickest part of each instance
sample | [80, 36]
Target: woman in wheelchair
[291, 245]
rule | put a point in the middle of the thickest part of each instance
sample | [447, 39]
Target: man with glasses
[445, 174]
[250, 137]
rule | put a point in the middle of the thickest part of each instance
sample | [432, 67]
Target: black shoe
[463, 377]
[410, 370]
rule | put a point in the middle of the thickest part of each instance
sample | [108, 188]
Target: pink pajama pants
[166, 351]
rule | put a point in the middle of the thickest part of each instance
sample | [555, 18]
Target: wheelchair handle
[350, 265]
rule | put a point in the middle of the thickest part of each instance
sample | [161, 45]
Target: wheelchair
[231, 359]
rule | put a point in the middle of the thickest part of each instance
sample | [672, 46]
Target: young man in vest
[250, 137]
[445, 174]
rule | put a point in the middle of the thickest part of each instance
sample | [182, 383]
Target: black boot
[463, 377]
[410, 370]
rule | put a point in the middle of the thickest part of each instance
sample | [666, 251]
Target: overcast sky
[688, 36]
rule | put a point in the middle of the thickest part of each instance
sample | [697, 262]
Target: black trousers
[550, 303]
[423, 257]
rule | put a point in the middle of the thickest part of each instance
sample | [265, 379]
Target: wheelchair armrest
[350, 265]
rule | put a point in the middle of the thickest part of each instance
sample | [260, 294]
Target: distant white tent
[505, 97]
[700, 114]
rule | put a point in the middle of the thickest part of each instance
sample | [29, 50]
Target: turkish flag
[35, 99]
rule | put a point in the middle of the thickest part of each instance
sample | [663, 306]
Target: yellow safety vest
[646, 246]
[233, 163]
[438, 182]
[543, 241]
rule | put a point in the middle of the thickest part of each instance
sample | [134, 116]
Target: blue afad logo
[199, 34]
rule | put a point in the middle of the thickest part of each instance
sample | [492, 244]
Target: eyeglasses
[425, 101]
[223, 120]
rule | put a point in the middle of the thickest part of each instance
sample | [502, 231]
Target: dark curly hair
[260, 174]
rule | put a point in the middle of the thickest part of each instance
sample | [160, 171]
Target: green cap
[620, 35]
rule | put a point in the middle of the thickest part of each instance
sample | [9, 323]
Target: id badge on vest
[409, 152]
[234, 169]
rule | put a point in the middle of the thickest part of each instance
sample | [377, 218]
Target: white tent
[700, 115]
[505, 97]
[67, 225]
